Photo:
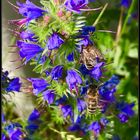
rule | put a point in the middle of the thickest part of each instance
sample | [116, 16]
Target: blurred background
[120, 48]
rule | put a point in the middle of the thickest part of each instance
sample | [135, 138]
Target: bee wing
[97, 53]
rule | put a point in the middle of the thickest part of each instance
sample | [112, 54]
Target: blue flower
[126, 108]
[83, 70]
[96, 72]
[81, 104]
[38, 85]
[32, 128]
[49, 96]
[14, 85]
[30, 10]
[95, 127]
[125, 3]
[16, 134]
[75, 5]
[35, 115]
[3, 118]
[83, 90]
[9, 128]
[28, 50]
[56, 72]
[104, 121]
[123, 117]
[3, 136]
[73, 79]
[135, 138]
[70, 57]
[54, 41]
[87, 30]
[28, 35]
[108, 89]
[47, 72]
[84, 41]
[4, 75]
[61, 100]
[116, 137]
[91, 0]
[67, 111]
[14, 131]
[126, 111]
[33, 121]
[40, 59]
[79, 125]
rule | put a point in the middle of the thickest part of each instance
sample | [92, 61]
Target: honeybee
[90, 55]
[93, 99]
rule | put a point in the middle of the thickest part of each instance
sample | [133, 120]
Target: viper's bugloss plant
[70, 99]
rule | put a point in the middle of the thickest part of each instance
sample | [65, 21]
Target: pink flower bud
[60, 13]
[46, 19]
[56, 1]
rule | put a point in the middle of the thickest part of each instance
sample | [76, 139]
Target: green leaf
[38, 68]
[46, 65]
[133, 52]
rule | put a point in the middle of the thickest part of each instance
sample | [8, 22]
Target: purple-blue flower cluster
[14, 131]
[28, 50]
[108, 88]
[49, 96]
[30, 11]
[38, 85]
[54, 41]
[67, 111]
[33, 121]
[73, 79]
[126, 111]
[75, 5]
[28, 35]
[126, 3]
[10, 85]
[56, 72]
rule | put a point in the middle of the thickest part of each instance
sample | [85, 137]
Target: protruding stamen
[13, 31]
[15, 60]
[12, 46]
[12, 4]
[12, 52]
[95, 9]
[19, 66]
[106, 31]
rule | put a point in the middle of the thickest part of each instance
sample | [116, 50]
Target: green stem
[119, 26]
[128, 15]
[100, 15]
